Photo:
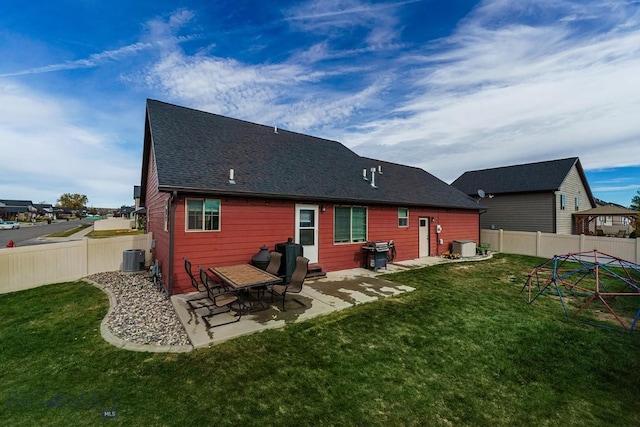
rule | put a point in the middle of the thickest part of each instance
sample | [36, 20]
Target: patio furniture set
[241, 288]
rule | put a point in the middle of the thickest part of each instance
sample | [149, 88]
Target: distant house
[540, 196]
[17, 209]
[124, 212]
[45, 210]
[216, 189]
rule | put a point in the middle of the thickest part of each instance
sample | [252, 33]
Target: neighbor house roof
[525, 178]
[17, 206]
[194, 152]
[608, 210]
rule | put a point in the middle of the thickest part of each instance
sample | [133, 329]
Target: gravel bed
[143, 314]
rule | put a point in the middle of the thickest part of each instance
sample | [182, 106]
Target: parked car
[9, 225]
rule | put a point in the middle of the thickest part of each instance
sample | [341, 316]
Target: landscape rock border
[130, 344]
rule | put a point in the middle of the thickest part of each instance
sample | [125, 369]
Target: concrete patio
[337, 291]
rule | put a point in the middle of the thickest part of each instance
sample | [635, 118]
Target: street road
[28, 234]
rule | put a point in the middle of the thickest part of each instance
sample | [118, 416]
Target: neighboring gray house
[540, 196]
[17, 209]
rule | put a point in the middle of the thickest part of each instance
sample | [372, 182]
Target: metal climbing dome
[593, 287]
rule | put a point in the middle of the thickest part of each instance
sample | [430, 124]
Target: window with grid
[403, 217]
[203, 214]
[350, 224]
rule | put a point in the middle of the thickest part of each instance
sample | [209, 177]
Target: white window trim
[166, 215]
[201, 230]
[407, 218]
[366, 231]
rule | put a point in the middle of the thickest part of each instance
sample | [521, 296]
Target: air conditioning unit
[133, 260]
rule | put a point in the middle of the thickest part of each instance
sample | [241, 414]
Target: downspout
[480, 212]
[555, 212]
[172, 217]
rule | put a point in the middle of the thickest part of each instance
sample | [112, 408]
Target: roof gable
[25, 203]
[195, 151]
[524, 178]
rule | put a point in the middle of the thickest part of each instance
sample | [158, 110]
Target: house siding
[519, 212]
[155, 202]
[247, 224]
[571, 188]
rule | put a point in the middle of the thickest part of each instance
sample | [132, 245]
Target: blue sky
[448, 85]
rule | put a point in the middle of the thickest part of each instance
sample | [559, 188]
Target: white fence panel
[557, 244]
[26, 267]
[616, 246]
[520, 242]
[113, 224]
[547, 245]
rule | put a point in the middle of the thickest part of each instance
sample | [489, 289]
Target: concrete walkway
[337, 291]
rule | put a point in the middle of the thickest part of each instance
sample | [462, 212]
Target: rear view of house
[540, 196]
[216, 189]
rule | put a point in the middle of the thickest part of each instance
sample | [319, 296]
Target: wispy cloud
[44, 149]
[504, 93]
[92, 61]
[335, 20]
[160, 34]
[324, 12]
[98, 59]
[291, 93]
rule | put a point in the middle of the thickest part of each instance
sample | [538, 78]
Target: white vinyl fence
[27, 267]
[113, 224]
[546, 245]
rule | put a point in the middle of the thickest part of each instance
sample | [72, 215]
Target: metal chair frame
[196, 285]
[220, 300]
[295, 285]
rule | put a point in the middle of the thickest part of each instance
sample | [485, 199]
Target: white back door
[423, 249]
[307, 230]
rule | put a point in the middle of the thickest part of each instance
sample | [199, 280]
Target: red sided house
[216, 189]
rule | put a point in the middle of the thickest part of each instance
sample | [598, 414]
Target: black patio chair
[197, 286]
[295, 285]
[221, 300]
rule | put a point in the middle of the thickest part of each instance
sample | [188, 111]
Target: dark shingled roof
[195, 150]
[526, 178]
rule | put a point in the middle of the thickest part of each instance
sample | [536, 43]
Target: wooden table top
[244, 276]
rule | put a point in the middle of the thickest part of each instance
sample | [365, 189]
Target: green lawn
[113, 233]
[463, 349]
[70, 232]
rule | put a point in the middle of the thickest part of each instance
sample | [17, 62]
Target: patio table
[243, 277]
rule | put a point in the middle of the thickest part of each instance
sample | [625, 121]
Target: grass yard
[70, 232]
[113, 233]
[463, 349]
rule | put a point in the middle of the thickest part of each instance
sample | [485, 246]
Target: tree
[72, 201]
[635, 202]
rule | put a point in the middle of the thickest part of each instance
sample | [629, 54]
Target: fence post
[581, 243]
[538, 242]
[637, 250]
[85, 264]
[500, 239]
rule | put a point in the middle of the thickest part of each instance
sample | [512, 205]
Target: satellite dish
[481, 194]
